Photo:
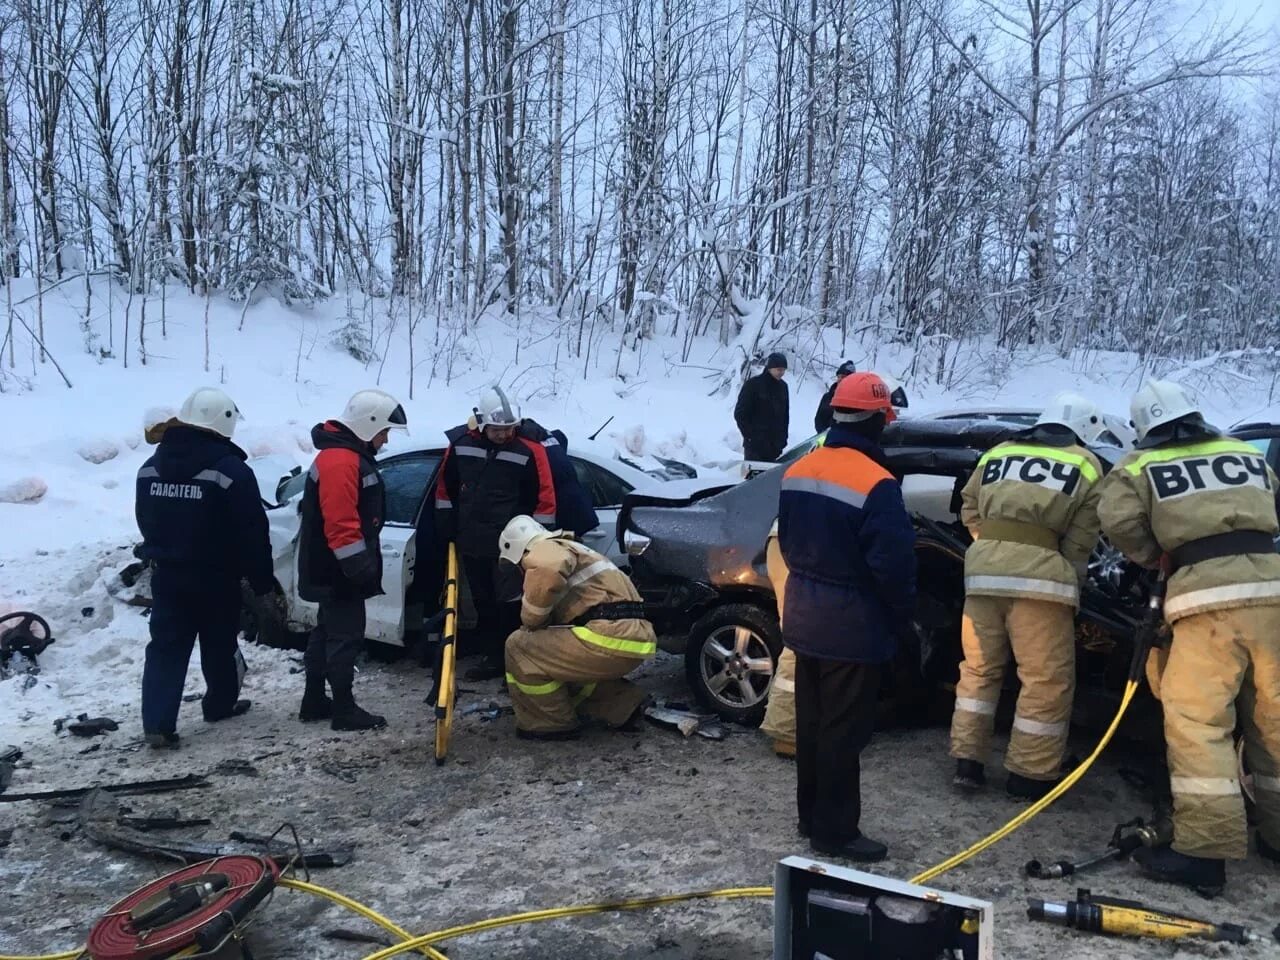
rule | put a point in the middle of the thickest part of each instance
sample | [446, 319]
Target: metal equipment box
[825, 912]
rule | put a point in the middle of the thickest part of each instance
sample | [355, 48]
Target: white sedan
[409, 476]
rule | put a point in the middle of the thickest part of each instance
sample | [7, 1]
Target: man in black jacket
[490, 475]
[339, 553]
[203, 529]
[823, 418]
[764, 410]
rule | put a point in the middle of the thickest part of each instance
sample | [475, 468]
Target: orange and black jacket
[339, 555]
[482, 486]
[849, 545]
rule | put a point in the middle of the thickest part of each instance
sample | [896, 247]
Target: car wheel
[730, 660]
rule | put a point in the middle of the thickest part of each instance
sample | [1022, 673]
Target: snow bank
[98, 451]
[23, 490]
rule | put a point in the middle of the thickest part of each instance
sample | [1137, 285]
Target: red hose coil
[113, 938]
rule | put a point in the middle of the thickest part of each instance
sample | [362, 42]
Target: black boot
[860, 849]
[163, 741]
[315, 705]
[347, 716]
[1024, 788]
[238, 709]
[970, 777]
[489, 668]
[1204, 875]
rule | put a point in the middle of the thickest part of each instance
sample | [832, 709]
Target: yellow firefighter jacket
[1032, 509]
[563, 580]
[1163, 498]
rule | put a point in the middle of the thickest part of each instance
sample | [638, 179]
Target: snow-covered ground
[67, 528]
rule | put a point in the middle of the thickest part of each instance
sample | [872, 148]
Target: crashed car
[699, 563]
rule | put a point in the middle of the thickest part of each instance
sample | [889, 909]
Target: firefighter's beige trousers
[555, 677]
[1220, 662]
[780, 714]
[1041, 635]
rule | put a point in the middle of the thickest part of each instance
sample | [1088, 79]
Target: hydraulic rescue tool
[1129, 918]
[1125, 840]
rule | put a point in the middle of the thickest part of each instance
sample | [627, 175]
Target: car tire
[724, 660]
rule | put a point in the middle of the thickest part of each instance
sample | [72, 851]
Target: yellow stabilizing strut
[447, 689]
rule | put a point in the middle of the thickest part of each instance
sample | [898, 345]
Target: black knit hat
[776, 360]
[846, 368]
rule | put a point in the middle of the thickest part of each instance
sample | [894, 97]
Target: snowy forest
[1073, 174]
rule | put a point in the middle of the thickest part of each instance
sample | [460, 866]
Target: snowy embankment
[66, 475]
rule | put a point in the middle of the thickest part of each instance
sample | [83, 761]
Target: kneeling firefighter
[1203, 507]
[583, 631]
[1032, 508]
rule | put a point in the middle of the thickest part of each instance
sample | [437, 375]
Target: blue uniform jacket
[849, 544]
[199, 509]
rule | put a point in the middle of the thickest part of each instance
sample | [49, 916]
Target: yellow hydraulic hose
[535, 916]
[356, 907]
[69, 955]
[1069, 781]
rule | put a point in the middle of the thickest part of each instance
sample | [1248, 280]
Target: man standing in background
[822, 419]
[763, 411]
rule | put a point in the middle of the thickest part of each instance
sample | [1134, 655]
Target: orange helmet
[859, 395]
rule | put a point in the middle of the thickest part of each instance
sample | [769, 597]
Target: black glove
[360, 569]
[434, 624]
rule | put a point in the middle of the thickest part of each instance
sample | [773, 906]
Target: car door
[405, 478]
[606, 491]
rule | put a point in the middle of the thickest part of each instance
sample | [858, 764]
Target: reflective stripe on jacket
[1050, 488]
[564, 579]
[1161, 498]
[849, 546]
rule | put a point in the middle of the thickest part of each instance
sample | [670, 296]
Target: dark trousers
[495, 618]
[333, 647]
[766, 450]
[835, 717]
[186, 605]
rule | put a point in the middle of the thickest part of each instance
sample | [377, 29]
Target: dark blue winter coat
[574, 510]
[850, 548]
[200, 512]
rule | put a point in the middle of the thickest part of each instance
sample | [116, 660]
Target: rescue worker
[339, 553]
[822, 419]
[849, 545]
[491, 475]
[1032, 508]
[779, 723]
[763, 411]
[583, 630]
[203, 529]
[1202, 506]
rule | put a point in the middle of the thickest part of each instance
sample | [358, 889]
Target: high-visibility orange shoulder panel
[840, 465]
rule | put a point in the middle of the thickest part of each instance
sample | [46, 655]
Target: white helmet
[369, 412]
[496, 410]
[210, 409]
[1159, 402]
[519, 535]
[1077, 413]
